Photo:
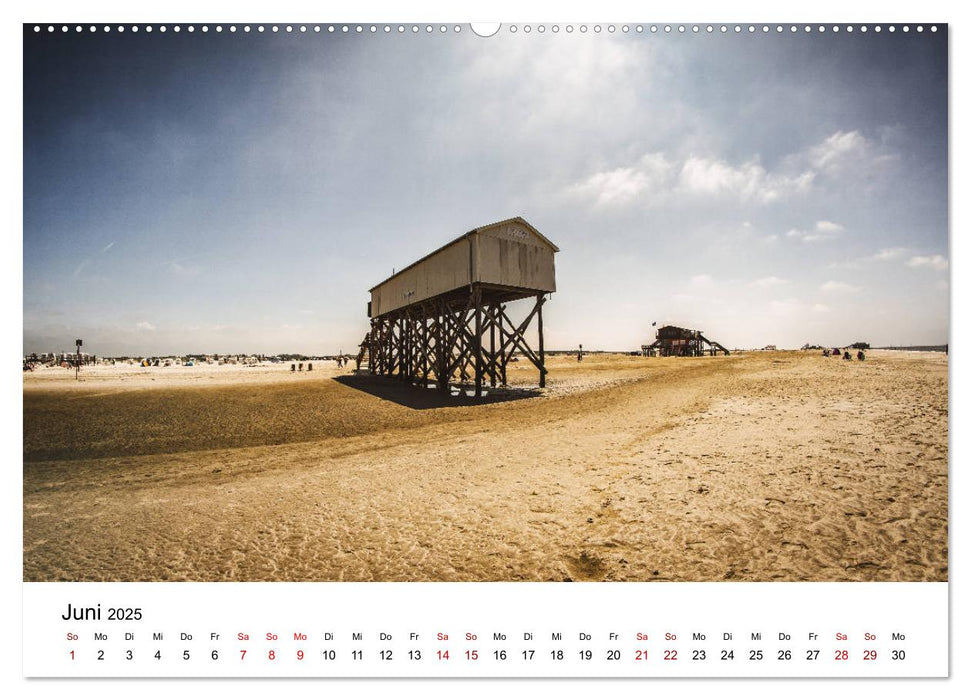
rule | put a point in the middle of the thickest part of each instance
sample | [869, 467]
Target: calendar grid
[486, 630]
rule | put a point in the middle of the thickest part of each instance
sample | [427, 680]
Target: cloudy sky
[241, 192]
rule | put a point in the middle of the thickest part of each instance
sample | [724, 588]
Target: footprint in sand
[586, 567]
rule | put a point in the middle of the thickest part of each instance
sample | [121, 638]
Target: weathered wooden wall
[510, 255]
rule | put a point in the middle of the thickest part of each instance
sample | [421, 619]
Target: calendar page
[609, 348]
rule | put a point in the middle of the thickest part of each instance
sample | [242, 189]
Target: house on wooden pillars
[683, 342]
[445, 316]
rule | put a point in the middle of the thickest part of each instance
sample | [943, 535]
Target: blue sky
[221, 193]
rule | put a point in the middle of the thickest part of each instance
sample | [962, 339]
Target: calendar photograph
[437, 303]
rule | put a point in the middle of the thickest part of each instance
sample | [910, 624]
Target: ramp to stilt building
[673, 341]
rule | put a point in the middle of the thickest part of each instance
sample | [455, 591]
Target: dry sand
[759, 467]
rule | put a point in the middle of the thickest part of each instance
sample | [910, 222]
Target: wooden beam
[477, 344]
[542, 355]
[445, 336]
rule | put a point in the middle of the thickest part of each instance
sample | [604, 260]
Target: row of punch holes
[512, 28]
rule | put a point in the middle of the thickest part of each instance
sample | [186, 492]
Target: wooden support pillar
[409, 346]
[405, 349]
[423, 339]
[444, 350]
[428, 333]
[404, 370]
[492, 347]
[399, 323]
[402, 346]
[388, 345]
[542, 353]
[371, 346]
[503, 357]
[477, 341]
[392, 348]
[379, 347]
[379, 342]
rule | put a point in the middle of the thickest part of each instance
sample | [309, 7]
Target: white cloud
[842, 146]
[833, 287]
[828, 226]
[882, 255]
[766, 282]
[647, 178]
[656, 178]
[745, 182]
[702, 280]
[144, 326]
[820, 308]
[616, 186]
[849, 153]
[813, 237]
[937, 262]
[821, 231]
[888, 254]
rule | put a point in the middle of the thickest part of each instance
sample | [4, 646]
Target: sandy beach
[761, 467]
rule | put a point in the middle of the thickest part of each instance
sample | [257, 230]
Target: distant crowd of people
[342, 361]
[835, 352]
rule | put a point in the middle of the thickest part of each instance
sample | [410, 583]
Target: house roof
[517, 219]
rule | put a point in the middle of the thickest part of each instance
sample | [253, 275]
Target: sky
[233, 192]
